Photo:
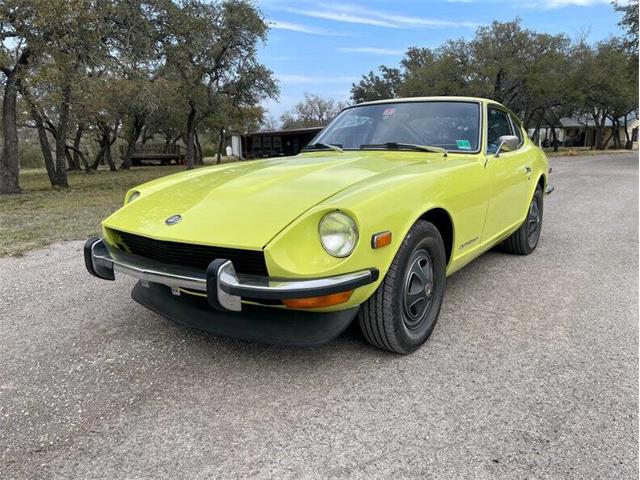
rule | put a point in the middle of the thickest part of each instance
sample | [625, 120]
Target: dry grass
[42, 215]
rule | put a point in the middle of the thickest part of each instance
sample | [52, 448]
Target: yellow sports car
[367, 221]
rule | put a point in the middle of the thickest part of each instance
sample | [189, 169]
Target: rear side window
[497, 126]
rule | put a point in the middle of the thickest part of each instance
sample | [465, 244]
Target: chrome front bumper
[224, 288]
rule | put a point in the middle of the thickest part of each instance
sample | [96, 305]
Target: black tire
[388, 319]
[525, 240]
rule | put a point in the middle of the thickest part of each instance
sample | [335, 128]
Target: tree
[629, 22]
[141, 27]
[268, 123]
[104, 116]
[313, 111]
[607, 89]
[168, 119]
[377, 86]
[14, 57]
[65, 42]
[518, 67]
[211, 48]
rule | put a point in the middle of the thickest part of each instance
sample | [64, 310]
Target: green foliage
[210, 51]
[629, 23]
[313, 111]
[377, 86]
[97, 69]
[30, 155]
[540, 76]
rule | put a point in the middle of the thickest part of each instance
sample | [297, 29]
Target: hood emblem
[173, 219]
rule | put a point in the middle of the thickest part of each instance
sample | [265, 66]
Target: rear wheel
[525, 240]
[403, 311]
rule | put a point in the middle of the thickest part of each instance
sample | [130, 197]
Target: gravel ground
[532, 370]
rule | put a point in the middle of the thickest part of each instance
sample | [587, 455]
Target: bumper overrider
[224, 290]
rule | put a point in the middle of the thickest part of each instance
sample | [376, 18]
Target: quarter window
[497, 126]
[517, 128]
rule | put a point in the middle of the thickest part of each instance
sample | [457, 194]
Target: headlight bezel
[347, 247]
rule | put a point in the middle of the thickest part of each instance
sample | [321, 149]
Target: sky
[323, 47]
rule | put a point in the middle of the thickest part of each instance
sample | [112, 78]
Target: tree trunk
[198, 148]
[599, 128]
[45, 146]
[616, 134]
[110, 141]
[10, 163]
[69, 158]
[61, 137]
[81, 158]
[599, 138]
[134, 135]
[220, 144]
[109, 159]
[99, 156]
[536, 131]
[191, 121]
[76, 146]
[554, 139]
[628, 145]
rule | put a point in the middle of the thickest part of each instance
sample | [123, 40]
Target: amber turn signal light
[381, 239]
[318, 302]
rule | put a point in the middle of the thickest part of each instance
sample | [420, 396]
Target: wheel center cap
[428, 288]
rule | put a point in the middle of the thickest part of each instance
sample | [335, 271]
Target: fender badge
[173, 219]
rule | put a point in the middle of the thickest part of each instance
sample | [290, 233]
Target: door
[508, 175]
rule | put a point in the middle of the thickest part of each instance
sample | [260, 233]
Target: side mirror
[507, 143]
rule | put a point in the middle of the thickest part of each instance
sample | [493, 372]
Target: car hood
[245, 204]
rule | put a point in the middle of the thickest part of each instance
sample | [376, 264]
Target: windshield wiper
[323, 146]
[412, 146]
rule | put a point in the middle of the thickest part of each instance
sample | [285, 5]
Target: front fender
[392, 203]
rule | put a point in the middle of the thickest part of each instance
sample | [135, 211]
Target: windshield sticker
[463, 144]
[388, 112]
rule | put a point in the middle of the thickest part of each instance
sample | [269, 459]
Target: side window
[497, 126]
[517, 128]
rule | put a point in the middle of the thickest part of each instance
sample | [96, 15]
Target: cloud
[294, 79]
[566, 3]
[372, 50]
[544, 4]
[351, 13]
[297, 27]
[343, 16]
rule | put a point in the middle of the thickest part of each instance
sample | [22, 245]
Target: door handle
[527, 170]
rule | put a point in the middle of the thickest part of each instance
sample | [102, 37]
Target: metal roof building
[272, 143]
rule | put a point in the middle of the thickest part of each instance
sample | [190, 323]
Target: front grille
[186, 254]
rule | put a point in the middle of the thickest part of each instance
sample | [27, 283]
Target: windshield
[446, 124]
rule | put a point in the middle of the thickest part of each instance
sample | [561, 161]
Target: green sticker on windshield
[463, 144]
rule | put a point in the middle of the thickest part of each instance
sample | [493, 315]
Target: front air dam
[257, 324]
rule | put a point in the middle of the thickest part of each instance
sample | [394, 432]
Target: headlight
[338, 234]
[133, 196]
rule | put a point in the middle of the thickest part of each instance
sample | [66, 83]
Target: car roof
[430, 99]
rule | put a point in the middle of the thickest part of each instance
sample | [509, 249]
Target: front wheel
[525, 240]
[403, 311]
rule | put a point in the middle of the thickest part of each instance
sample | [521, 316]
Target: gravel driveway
[532, 370]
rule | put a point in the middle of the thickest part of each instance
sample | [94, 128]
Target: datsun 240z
[368, 221]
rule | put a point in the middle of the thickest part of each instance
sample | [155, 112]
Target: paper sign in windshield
[388, 112]
[463, 144]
